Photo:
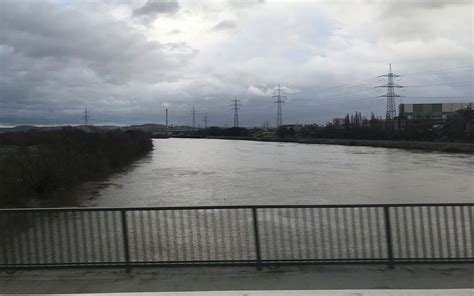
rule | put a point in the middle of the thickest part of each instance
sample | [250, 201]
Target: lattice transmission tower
[390, 95]
[236, 107]
[193, 112]
[86, 117]
[206, 120]
[279, 95]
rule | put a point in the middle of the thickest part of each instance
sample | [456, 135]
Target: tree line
[36, 163]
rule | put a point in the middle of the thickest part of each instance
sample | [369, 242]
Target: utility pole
[390, 95]
[236, 107]
[194, 117]
[86, 117]
[205, 119]
[166, 118]
[279, 94]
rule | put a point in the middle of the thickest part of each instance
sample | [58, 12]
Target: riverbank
[37, 166]
[410, 145]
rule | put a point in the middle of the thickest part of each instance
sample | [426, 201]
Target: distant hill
[147, 127]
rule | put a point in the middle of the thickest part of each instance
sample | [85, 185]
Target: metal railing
[253, 235]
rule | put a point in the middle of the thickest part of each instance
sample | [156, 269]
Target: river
[227, 172]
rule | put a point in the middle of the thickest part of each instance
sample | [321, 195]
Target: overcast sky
[126, 61]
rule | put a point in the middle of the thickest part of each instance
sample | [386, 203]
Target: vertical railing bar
[100, 238]
[214, 235]
[166, 235]
[338, 233]
[354, 233]
[91, 236]
[370, 232]
[332, 250]
[11, 240]
[264, 233]
[406, 233]
[231, 234]
[143, 237]
[274, 234]
[347, 242]
[306, 234]
[322, 234]
[61, 237]
[108, 233]
[151, 234]
[282, 234]
[446, 227]
[378, 213]
[256, 238]
[362, 233]
[54, 245]
[16, 239]
[247, 233]
[463, 232]
[19, 238]
[206, 235]
[398, 232]
[223, 236]
[291, 242]
[43, 238]
[36, 246]
[3, 237]
[388, 232]
[83, 236]
[116, 236]
[28, 238]
[75, 236]
[136, 250]
[199, 236]
[471, 225]
[126, 246]
[67, 235]
[455, 232]
[431, 232]
[314, 232]
[298, 234]
[422, 233]
[415, 233]
[439, 231]
[238, 223]
[191, 233]
[159, 236]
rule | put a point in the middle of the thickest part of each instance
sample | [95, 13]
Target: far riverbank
[452, 147]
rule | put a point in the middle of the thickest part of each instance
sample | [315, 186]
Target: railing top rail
[235, 207]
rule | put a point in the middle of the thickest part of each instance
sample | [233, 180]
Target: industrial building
[438, 111]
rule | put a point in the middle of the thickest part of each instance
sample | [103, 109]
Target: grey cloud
[224, 25]
[152, 8]
[56, 59]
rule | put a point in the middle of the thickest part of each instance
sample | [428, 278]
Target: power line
[279, 102]
[455, 69]
[390, 95]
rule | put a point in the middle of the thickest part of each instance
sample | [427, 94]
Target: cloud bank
[126, 61]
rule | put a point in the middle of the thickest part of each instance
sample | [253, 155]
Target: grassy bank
[415, 145]
[34, 165]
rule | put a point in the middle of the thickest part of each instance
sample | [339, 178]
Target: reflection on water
[225, 172]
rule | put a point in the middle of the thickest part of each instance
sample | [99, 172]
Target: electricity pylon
[390, 95]
[279, 95]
